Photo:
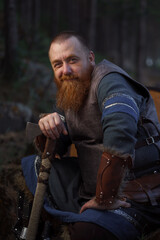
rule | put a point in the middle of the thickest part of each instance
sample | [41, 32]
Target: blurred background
[123, 31]
[126, 32]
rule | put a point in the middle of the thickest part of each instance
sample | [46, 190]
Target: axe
[33, 130]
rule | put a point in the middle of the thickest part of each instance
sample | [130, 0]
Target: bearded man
[111, 190]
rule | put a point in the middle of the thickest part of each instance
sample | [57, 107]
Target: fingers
[124, 204]
[117, 204]
[52, 126]
[89, 204]
[94, 205]
[83, 208]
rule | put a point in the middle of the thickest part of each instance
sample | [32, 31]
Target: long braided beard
[72, 92]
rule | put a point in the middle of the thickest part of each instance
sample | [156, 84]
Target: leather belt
[147, 141]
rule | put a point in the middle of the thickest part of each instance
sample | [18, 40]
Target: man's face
[72, 66]
[69, 58]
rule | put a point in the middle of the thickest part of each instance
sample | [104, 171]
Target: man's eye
[57, 65]
[73, 60]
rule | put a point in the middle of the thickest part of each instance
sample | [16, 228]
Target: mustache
[69, 78]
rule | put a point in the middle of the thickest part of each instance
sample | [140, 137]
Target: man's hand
[52, 126]
[93, 204]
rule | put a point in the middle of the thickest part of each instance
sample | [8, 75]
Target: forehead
[68, 47]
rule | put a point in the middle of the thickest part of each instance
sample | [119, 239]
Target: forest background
[126, 32]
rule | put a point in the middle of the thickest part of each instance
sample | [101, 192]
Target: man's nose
[66, 69]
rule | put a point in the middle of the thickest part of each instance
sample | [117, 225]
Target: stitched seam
[121, 95]
[114, 104]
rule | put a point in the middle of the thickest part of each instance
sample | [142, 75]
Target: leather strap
[147, 141]
[145, 189]
[151, 139]
[44, 169]
[43, 181]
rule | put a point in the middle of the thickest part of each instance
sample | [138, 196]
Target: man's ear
[92, 58]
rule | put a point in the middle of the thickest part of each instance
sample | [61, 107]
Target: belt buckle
[150, 140]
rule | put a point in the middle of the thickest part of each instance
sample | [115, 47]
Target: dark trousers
[89, 231]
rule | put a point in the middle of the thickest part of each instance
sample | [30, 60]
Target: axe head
[32, 130]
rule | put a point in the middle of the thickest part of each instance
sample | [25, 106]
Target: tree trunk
[28, 16]
[73, 15]
[92, 27]
[11, 39]
[36, 18]
[141, 41]
[26, 21]
[121, 38]
[54, 13]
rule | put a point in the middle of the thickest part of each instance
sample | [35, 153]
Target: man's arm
[120, 107]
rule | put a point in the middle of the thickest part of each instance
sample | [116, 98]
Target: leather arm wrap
[110, 175]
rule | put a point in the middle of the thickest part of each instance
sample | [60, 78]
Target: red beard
[72, 92]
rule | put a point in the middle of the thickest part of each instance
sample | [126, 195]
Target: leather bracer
[110, 175]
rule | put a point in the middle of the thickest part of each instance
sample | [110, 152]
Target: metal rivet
[110, 202]
[155, 172]
[47, 153]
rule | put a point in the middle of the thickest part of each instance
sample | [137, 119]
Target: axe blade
[32, 130]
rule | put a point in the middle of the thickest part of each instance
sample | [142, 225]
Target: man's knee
[89, 231]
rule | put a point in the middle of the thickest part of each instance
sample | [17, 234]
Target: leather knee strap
[110, 175]
[145, 189]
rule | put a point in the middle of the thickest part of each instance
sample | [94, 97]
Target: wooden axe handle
[40, 190]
